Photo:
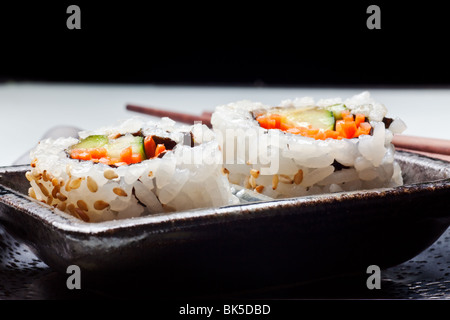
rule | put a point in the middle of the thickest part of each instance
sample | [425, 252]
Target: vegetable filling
[335, 122]
[122, 150]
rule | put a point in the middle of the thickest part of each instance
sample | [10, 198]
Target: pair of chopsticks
[431, 147]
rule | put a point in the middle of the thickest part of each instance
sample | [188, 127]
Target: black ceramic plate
[258, 243]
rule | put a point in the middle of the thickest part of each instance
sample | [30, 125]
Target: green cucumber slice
[94, 141]
[337, 110]
[318, 118]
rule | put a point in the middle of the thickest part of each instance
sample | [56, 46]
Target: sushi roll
[303, 147]
[132, 169]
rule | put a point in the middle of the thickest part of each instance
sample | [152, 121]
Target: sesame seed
[67, 187]
[91, 184]
[49, 200]
[29, 176]
[100, 205]
[45, 176]
[120, 192]
[36, 175]
[75, 184]
[43, 189]
[55, 191]
[254, 173]
[298, 178]
[274, 181]
[55, 182]
[110, 174]
[61, 197]
[83, 216]
[259, 189]
[61, 206]
[82, 205]
[31, 193]
[71, 208]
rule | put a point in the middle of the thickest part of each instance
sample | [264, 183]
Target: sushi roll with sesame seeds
[133, 169]
[303, 147]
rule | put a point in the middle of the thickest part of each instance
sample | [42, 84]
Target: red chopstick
[431, 147]
[205, 117]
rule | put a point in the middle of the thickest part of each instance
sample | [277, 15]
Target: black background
[227, 43]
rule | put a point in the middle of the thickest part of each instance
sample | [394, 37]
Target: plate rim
[62, 221]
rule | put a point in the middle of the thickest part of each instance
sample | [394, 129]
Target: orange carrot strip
[320, 135]
[149, 147]
[331, 134]
[359, 118]
[80, 154]
[364, 128]
[278, 119]
[98, 153]
[312, 132]
[159, 149]
[339, 128]
[125, 155]
[74, 153]
[349, 118]
[272, 121]
[136, 158]
[85, 156]
[349, 128]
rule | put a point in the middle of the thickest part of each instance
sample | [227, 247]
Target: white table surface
[29, 110]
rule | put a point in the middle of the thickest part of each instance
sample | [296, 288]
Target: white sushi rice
[288, 165]
[185, 178]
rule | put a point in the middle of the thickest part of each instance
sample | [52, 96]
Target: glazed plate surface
[258, 243]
